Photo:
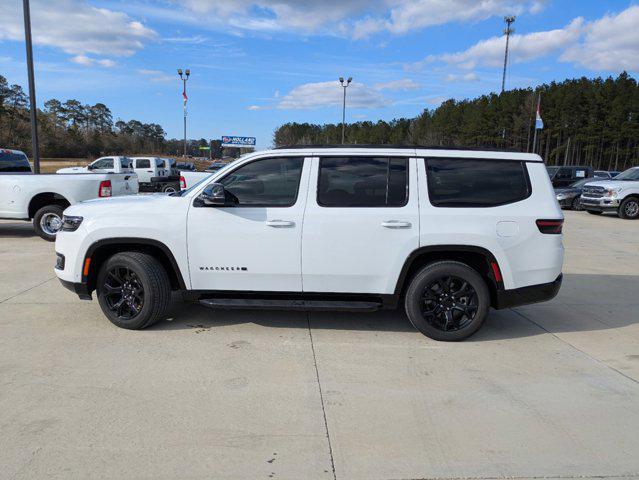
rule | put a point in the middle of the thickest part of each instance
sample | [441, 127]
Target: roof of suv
[417, 150]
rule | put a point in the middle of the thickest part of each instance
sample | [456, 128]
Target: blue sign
[231, 141]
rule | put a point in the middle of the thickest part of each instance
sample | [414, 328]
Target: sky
[256, 64]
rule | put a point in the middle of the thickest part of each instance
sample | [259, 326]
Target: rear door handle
[280, 223]
[396, 224]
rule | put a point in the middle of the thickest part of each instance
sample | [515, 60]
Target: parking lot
[549, 390]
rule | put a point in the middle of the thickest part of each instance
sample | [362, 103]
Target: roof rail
[407, 147]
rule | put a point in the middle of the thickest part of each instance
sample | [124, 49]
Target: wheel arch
[43, 199]
[478, 258]
[101, 250]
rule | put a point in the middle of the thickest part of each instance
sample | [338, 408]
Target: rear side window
[143, 163]
[160, 163]
[455, 182]
[363, 182]
[13, 162]
[126, 163]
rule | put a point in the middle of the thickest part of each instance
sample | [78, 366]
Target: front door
[255, 245]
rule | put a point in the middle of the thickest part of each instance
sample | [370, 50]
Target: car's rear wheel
[133, 290]
[47, 221]
[594, 212]
[447, 301]
[629, 208]
[171, 188]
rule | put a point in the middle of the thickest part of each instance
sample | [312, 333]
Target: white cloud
[157, 76]
[255, 107]
[88, 61]
[326, 94]
[463, 77]
[75, 27]
[194, 40]
[609, 44]
[398, 85]
[523, 48]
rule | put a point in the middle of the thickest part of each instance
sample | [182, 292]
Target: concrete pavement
[543, 391]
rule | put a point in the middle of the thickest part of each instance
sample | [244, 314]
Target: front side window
[104, 163]
[456, 182]
[143, 163]
[270, 182]
[362, 182]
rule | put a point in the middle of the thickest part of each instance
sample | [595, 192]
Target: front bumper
[566, 202]
[601, 204]
[527, 295]
[80, 289]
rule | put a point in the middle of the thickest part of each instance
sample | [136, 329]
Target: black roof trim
[406, 147]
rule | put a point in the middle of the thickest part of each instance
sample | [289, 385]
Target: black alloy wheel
[449, 303]
[123, 293]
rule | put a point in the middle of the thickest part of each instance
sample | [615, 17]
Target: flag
[539, 123]
[184, 94]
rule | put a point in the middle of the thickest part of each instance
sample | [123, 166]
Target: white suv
[445, 233]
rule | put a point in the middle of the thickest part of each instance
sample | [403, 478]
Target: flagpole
[534, 149]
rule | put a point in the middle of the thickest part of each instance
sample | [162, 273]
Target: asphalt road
[548, 390]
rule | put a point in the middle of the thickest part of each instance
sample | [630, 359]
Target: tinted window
[143, 163]
[104, 163]
[269, 182]
[363, 182]
[161, 163]
[475, 183]
[126, 163]
[13, 162]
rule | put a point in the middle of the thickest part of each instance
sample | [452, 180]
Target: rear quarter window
[476, 183]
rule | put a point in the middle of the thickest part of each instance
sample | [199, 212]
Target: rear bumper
[80, 289]
[527, 295]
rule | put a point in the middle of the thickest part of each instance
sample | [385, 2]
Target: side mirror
[90, 166]
[213, 195]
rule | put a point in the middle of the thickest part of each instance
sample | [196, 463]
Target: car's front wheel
[133, 290]
[576, 204]
[447, 301]
[629, 208]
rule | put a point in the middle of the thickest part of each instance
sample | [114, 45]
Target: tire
[629, 208]
[171, 188]
[576, 205]
[146, 286]
[594, 212]
[473, 310]
[47, 222]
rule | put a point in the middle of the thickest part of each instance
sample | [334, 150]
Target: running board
[272, 304]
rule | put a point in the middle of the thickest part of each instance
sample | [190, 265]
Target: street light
[184, 76]
[344, 86]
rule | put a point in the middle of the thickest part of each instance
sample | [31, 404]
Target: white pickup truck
[103, 165]
[619, 195]
[155, 174]
[43, 198]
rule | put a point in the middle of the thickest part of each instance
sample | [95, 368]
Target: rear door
[144, 170]
[361, 223]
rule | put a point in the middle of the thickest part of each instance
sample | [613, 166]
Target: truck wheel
[594, 212]
[447, 301]
[629, 208]
[47, 221]
[170, 188]
[133, 290]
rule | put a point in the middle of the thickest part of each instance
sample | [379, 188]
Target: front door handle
[280, 223]
[396, 224]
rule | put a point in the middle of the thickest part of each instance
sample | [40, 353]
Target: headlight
[611, 192]
[70, 224]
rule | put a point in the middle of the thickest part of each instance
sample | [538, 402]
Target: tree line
[587, 122]
[75, 130]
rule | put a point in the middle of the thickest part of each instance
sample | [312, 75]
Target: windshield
[629, 175]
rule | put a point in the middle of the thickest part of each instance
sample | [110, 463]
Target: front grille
[593, 192]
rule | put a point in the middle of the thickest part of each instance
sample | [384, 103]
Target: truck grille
[593, 192]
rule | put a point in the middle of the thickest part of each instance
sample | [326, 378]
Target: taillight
[552, 227]
[105, 189]
[182, 182]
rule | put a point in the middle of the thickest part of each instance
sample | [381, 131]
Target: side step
[273, 304]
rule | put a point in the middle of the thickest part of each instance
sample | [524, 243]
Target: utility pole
[344, 86]
[32, 96]
[509, 21]
[184, 78]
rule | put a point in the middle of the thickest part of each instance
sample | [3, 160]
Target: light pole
[184, 78]
[344, 86]
[509, 21]
[32, 96]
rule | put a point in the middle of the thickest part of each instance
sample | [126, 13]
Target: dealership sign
[230, 141]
